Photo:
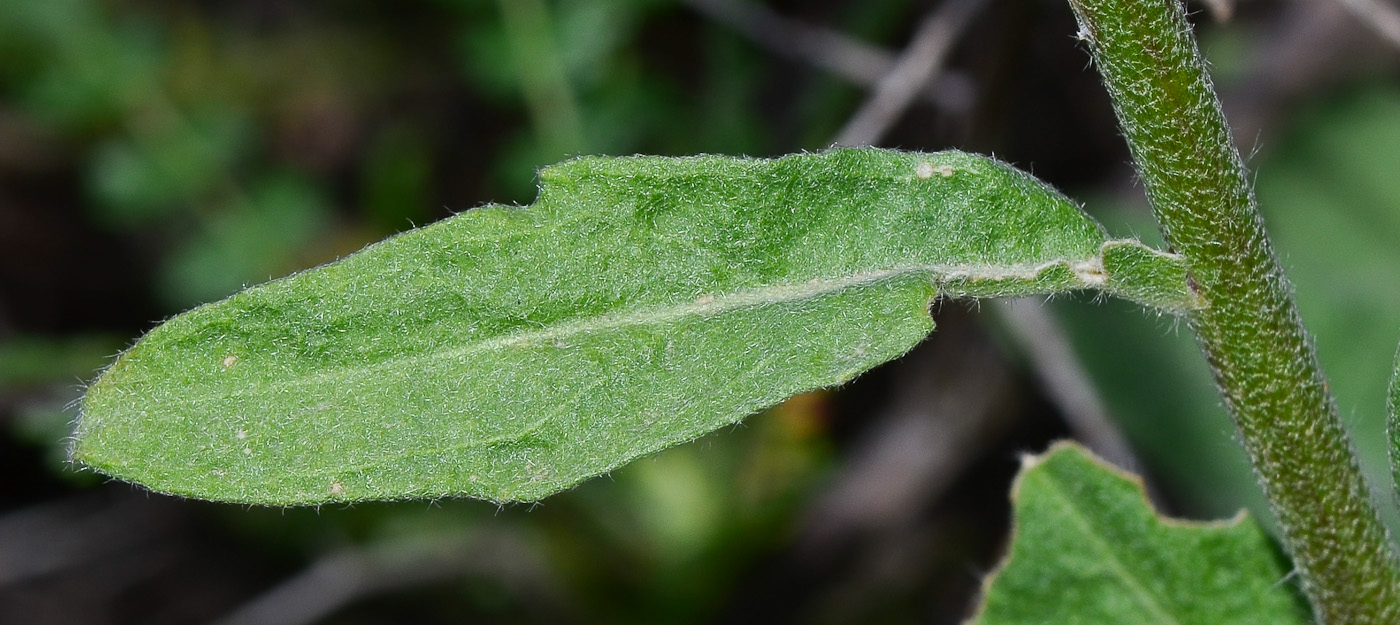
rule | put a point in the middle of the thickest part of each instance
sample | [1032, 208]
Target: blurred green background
[155, 155]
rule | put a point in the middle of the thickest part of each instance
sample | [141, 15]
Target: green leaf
[1088, 548]
[508, 353]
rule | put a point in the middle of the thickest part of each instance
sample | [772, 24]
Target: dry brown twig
[855, 61]
[341, 578]
[918, 66]
[1378, 15]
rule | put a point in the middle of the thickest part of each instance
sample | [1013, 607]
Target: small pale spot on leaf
[229, 360]
[1090, 272]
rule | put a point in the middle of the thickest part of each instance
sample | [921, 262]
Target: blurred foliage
[32, 361]
[198, 147]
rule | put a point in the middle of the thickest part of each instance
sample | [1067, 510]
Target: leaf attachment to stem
[1248, 325]
[507, 353]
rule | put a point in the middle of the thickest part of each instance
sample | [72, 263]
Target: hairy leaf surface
[507, 353]
[1088, 548]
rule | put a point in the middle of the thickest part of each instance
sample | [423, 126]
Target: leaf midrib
[1134, 585]
[703, 306]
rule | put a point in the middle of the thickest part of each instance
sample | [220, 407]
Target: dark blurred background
[157, 155]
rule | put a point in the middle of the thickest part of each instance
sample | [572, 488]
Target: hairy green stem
[1249, 329]
[1392, 405]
